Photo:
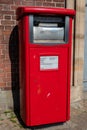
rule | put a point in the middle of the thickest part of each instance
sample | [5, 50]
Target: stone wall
[78, 48]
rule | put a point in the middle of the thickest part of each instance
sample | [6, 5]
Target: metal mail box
[45, 41]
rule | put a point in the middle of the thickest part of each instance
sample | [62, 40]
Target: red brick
[6, 1]
[5, 88]
[6, 32]
[14, 17]
[7, 12]
[1, 27]
[6, 56]
[39, 0]
[2, 80]
[8, 86]
[1, 7]
[48, 0]
[7, 61]
[5, 41]
[3, 46]
[29, 0]
[27, 3]
[6, 22]
[18, 0]
[49, 4]
[17, 3]
[60, 5]
[1, 39]
[8, 69]
[1, 66]
[2, 75]
[58, 0]
[38, 4]
[8, 28]
[8, 79]
[2, 56]
[6, 7]
[1, 16]
[13, 7]
[8, 17]
[2, 84]
[8, 74]
[1, 69]
[3, 51]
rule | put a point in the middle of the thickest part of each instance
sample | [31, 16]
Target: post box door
[48, 85]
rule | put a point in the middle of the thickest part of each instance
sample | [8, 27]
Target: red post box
[45, 36]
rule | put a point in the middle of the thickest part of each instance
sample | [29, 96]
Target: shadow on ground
[14, 57]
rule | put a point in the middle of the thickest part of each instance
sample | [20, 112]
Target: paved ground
[9, 121]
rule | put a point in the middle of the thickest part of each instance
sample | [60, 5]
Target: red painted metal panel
[48, 97]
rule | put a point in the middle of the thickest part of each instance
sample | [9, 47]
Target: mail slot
[49, 29]
[45, 41]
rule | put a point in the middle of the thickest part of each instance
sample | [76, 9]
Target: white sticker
[48, 62]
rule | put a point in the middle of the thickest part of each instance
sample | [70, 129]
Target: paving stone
[78, 121]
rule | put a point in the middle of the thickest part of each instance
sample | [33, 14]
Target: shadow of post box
[45, 36]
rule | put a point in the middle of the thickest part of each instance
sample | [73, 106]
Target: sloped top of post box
[22, 11]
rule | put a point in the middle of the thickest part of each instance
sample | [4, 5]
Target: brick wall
[50, 3]
[9, 48]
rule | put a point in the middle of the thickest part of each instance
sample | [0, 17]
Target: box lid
[22, 11]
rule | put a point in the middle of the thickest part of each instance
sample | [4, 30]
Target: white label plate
[48, 62]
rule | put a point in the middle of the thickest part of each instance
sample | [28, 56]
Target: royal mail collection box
[45, 40]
